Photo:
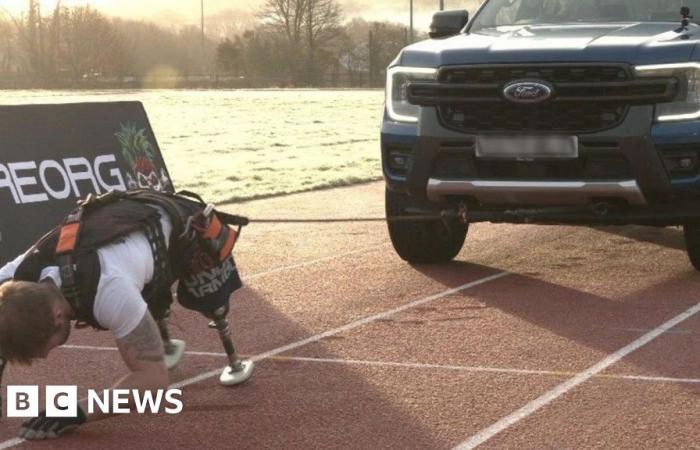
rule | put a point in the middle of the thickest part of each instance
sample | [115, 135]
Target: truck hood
[634, 43]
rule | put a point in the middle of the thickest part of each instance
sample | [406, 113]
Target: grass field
[237, 145]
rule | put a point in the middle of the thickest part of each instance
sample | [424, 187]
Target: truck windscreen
[499, 13]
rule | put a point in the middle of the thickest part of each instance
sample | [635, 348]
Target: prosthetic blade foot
[174, 349]
[238, 370]
[237, 375]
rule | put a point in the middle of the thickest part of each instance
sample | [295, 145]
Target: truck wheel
[692, 242]
[422, 242]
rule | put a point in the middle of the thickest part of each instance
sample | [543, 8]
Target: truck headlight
[686, 106]
[397, 80]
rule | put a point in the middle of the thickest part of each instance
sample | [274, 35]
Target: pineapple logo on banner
[140, 154]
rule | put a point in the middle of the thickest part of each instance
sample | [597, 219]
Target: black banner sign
[53, 155]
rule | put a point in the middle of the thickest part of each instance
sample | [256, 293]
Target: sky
[182, 12]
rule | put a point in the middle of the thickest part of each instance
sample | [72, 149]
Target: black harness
[100, 221]
[73, 245]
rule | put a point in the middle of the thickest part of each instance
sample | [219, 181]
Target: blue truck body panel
[646, 145]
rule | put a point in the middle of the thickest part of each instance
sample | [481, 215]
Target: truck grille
[556, 117]
[587, 98]
[551, 73]
[597, 161]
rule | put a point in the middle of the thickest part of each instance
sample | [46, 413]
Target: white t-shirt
[126, 267]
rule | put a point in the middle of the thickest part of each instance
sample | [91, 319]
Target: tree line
[289, 43]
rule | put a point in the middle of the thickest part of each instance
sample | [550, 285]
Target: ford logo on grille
[524, 91]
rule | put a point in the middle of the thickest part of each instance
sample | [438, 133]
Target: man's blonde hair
[26, 320]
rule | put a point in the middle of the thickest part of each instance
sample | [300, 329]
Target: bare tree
[295, 42]
[307, 25]
[321, 26]
[264, 58]
[29, 32]
[32, 41]
[228, 57]
[53, 53]
[149, 47]
[90, 44]
[353, 53]
[7, 45]
[229, 24]
[287, 18]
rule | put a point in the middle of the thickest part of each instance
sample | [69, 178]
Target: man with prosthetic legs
[111, 265]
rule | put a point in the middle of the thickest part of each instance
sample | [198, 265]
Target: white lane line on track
[382, 315]
[470, 368]
[646, 330]
[11, 443]
[553, 394]
[348, 327]
[453, 367]
[654, 379]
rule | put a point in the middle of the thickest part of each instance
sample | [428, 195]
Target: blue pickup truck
[544, 111]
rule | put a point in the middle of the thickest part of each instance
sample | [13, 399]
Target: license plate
[527, 147]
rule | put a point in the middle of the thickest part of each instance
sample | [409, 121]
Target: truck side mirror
[448, 23]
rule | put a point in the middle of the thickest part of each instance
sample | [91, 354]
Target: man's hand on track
[43, 427]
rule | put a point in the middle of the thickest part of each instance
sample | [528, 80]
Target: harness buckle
[188, 233]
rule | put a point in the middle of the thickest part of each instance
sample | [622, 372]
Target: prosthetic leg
[238, 370]
[174, 348]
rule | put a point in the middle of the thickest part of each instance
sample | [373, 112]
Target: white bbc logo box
[23, 401]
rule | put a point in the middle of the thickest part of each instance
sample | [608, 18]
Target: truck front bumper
[646, 187]
[487, 192]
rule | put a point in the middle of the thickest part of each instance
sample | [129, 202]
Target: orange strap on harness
[70, 230]
[220, 238]
[65, 247]
[68, 238]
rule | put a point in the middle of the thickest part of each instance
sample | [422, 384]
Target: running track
[536, 337]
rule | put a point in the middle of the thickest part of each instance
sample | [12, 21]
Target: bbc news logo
[62, 401]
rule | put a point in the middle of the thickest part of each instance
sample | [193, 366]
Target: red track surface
[571, 297]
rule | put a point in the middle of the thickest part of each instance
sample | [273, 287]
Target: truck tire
[419, 241]
[691, 230]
